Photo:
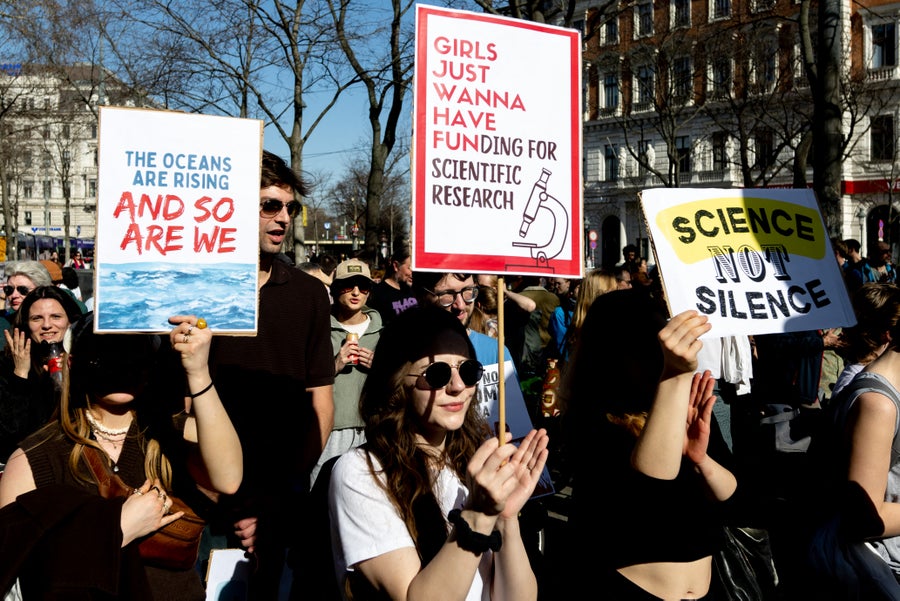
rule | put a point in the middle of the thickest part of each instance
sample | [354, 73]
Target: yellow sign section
[691, 228]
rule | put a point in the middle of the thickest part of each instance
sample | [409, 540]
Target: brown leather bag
[175, 546]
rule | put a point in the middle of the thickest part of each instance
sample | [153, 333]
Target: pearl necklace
[108, 433]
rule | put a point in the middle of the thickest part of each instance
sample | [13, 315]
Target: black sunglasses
[23, 290]
[364, 286]
[438, 374]
[271, 207]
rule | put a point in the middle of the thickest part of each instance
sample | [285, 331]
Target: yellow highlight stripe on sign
[691, 228]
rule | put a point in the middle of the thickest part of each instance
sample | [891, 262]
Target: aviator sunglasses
[23, 290]
[438, 374]
[271, 207]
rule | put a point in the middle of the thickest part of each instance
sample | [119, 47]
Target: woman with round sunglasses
[28, 395]
[428, 507]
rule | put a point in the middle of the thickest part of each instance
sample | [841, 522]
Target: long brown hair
[391, 423]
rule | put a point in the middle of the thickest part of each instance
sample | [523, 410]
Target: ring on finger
[186, 339]
[190, 329]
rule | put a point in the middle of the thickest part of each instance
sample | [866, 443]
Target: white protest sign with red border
[497, 146]
[756, 261]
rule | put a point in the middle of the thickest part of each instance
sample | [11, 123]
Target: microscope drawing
[547, 220]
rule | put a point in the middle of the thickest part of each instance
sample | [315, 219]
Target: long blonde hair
[76, 427]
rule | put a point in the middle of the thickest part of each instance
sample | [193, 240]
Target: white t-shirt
[365, 524]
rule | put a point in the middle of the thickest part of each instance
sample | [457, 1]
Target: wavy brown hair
[391, 422]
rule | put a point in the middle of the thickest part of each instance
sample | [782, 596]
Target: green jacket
[349, 382]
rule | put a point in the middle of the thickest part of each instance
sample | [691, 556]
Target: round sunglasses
[438, 374]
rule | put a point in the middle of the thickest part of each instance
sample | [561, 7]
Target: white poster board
[756, 261]
[177, 220]
[497, 146]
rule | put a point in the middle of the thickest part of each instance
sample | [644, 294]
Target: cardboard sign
[177, 220]
[756, 261]
[497, 146]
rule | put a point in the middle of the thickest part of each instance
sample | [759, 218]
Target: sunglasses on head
[23, 290]
[364, 286]
[271, 207]
[438, 374]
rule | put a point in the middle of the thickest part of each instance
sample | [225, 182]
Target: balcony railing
[882, 74]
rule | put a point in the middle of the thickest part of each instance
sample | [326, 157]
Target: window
[764, 71]
[765, 149]
[719, 152]
[644, 19]
[648, 157]
[66, 131]
[93, 131]
[683, 153]
[884, 49]
[45, 160]
[882, 133]
[66, 159]
[48, 188]
[66, 189]
[681, 77]
[92, 188]
[721, 77]
[681, 13]
[27, 217]
[611, 92]
[45, 132]
[721, 9]
[28, 189]
[645, 90]
[46, 103]
[611, 30]
[611, 163]
[27, 159]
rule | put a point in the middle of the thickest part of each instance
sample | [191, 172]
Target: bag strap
[105, 480]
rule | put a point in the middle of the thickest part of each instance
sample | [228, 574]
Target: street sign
[592, 236]
[327, 225]
[593, 244]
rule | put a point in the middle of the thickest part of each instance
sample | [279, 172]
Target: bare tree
[386, 73]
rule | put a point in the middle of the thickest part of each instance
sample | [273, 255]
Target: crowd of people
[349, 449]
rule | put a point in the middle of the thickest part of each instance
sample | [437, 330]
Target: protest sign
[756, 261]
[177, 220]
[497, 146]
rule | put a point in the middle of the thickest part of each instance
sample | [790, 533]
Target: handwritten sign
[497, 148]
[755, 261]
[177, 220]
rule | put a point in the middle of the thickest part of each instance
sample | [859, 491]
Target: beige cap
[352, 268]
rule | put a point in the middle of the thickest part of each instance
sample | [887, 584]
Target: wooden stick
[501, 391]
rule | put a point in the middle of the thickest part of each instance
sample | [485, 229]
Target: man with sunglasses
[277, 389]
[456, 293]
[355, 329]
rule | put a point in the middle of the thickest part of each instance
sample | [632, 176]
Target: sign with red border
[496, 146]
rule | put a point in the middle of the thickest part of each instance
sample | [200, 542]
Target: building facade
[714, 94]
[48, 151]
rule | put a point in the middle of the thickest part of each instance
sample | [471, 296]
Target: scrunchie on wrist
[469, 540]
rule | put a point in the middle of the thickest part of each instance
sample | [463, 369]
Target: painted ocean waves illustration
[142, 296]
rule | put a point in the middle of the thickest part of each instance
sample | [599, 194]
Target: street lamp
[588, 251]
[861, 216]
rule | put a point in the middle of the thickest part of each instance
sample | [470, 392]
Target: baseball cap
[54, 270]
[352, 268]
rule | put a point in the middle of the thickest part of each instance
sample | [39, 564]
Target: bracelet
[204, 391]
[472, 541]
